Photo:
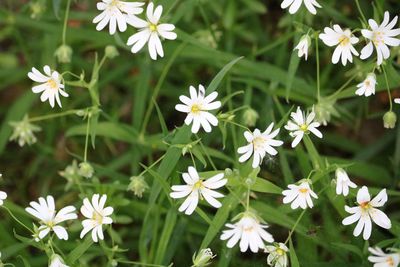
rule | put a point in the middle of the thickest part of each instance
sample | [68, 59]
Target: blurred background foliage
[268, 79]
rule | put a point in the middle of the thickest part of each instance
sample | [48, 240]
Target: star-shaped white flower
[51, 86]
[367, 210]
[196, 188]
[249, 231]
[303, 46]
[150, 31]
[343, 40]
[299, 195]
[259, 144]
[117, 13]
[3, 196]
[277, 255]
[45, 211]
[97, 215]
[380, 36]
[197, 108]
[295, 5]
[343, 182]
[382, 259]
[302, 124]
[367, 87]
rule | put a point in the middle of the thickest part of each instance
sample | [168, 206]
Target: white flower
[203, 258]
[397, 100]
[303, 46]
[277, 255]
[367, 87]
[51, 86]
[45, 211]
[249, 231]
[343, 182]
[299, 195]
[198, 188]
[197, 107]
[381, 37]
[382, 259]
[259, 145]
[3, 196]
[343, 40]
[150, 31]
[366, 210]
[302, 124]
[117, 13]
[295, 5]
[57, 261]
[96, 215]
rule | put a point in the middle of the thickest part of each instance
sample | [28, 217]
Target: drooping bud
[324, 110]
[111, 51]
[85, 170]
[138, 185]
[250, 117]
[63, 53]
[389, 120]
[203, 258]
[24, 131]
[37, 9]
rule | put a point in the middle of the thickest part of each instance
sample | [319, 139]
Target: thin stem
[388, 88]
[317, 56]
[194, 163]
[295, 225]
[207, 154]
[86, 140]
[17, 220]
[65, 23]
[361, 12]
[237, 124]
[248, 198]
[52, 116]
[142, 264]
[343, 86]
[152, 165]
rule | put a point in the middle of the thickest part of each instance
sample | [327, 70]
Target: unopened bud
[203, 258]
[138, 185]
[63, 54]
[389, 120]
[250, 117]
[111, 51]
[85, 170]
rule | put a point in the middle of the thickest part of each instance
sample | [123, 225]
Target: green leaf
[221, 74]
[169, 225]
[265, 186]
[163, 125]
[293, 65]
[293, 257]
[75, 254]
[56, 8]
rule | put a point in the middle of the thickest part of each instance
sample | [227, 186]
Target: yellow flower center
[152, 27]
[304, 127]
[344, 40]
[365, 205]
[195, 109]
[52, 83]
[377, 38]
[303, 190]
[198, 184]
[248, 229]
[280, 251]
[97, 217]
[258, 142]
[390, 261]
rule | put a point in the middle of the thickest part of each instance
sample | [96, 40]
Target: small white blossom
[197, 108]
[382, 259]
[57, 261]
[302, 124]
[366, 210]
[249, 231]
[51, 85]
[343, 182]
[45, 211]
[299, 195]
[367, 87]
[295, 5]
[259, 144]
[277, 255]
[303, 46]
[343, 40]
[397, 100]
[117, 13]
[196, 188]
[380, 36]
[150, 31]
[97, 215]
[3, 196]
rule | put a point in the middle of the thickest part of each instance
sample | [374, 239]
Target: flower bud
[85, 170]
[389, 120]
[324, 109]
[63, 54]
[138, 185]
[23, 132]
[111, 51]
[203, 258]
[56, 261]
[37, 9]
[250, 117]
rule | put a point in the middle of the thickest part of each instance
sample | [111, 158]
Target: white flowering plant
[200, 133]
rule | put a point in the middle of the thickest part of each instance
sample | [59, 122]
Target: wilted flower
[97, 215]
[111, 51]
[382, 259]
[303, 46]
[250, 117]
[277, 255]
[380, 36]
[203, 258]
[138, 185]
[343, 40]
[324, 110]
[85, 170]
[367, 87]
[63, 53]
[57, 261]
[299, 195]
[249, 231]
[23, 131]
[389, 120]
[367, 210]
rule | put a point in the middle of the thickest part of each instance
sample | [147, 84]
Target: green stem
[343, 86]
[51, 116]
[152, 165]
[317, 56]
[142, 264]
[361, 12]
[388, 88]
[294, 226]
[65, 22]
[86, 139]
[17, 220]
